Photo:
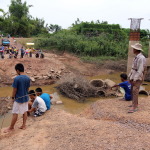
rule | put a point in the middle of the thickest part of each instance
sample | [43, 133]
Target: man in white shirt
[136, 75]
[38, 106]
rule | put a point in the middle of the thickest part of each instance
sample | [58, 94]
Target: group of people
[40, 102]
[13, 52]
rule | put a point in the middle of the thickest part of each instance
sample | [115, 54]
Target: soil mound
[40, 71]
[117, 110]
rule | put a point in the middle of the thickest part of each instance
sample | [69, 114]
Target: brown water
[69, 105]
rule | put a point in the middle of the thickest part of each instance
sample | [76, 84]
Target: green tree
[53, 28]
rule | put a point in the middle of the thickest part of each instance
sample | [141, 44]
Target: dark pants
[30, 54]
[22, 54]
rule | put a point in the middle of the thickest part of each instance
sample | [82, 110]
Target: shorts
[20, 108]
[38, 113]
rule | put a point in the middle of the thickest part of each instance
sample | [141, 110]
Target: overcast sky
[65, 12]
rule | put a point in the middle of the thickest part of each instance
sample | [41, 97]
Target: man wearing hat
[136, 75]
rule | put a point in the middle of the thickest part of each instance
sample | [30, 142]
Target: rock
[9, 107]
[59, 72]
[58, 76]
[52, 70]
[32, 79]
[59, 102]
[38, 77]
[48, 74]
[45, 77]
[28, 72]
[34, 74]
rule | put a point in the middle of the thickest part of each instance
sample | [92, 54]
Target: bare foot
[23, 127]
[8, 130]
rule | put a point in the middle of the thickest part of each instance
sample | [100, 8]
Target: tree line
[18, 21]
[82, 38]
[93, 39]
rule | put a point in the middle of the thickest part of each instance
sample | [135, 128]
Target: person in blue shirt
[126, 86]
[46, 97]
[20, 97]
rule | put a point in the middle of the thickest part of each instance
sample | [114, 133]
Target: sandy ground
[106, 125]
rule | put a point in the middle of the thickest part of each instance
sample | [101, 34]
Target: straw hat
[137, 46]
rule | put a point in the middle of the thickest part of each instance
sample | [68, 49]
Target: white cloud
[65, 12]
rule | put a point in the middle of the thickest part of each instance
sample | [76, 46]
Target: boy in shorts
[20, 98]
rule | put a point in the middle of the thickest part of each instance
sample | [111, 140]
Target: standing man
[136, 75]
[22, 52]
[20, 97]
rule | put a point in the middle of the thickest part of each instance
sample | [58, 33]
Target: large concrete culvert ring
[97, 83]
[100, 93]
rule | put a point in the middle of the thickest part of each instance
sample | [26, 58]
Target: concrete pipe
[98, 83]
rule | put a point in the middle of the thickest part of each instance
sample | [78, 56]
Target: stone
[36, 77]
[52, 70]
[59, 102]
[58, 76]
[40, 77]
[48, 74]
[9, 107]
[28, 72]
[45, 77]
[34, 74]
[59, 72]
[32, 79]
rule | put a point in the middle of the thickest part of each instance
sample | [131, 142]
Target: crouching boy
[37, 104]
[126, 86]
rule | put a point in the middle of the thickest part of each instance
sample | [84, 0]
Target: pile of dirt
[40, 71]
[117, 110]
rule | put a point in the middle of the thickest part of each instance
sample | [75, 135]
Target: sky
[66, 12]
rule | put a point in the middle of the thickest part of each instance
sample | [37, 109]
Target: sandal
[133, 110]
